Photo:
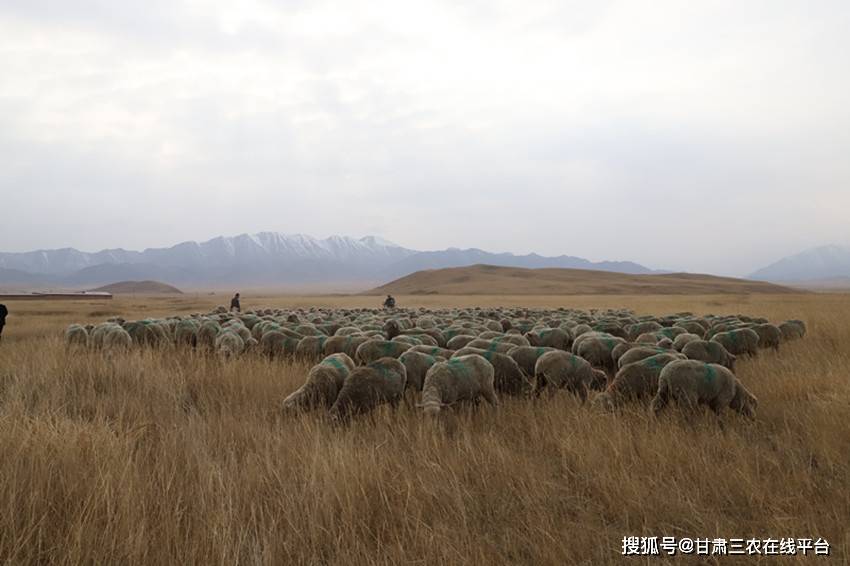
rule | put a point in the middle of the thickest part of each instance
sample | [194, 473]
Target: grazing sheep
[464, 378]
[709, 352]
[324, 381]
[550, 337]
[508, 376]
[769, 335]
[229, 344]
[491, 345]
[391, 328]
[637, 354]
[207, 334]
[417, 365]
[373, 350]
[526, 356]
[311, 347]
[692, 383]
[276, 344]
[459, 341]
[560, 369]
[792, 330]
[186, 333]
[682, 339]
[116, 339]
[346, 344]
[367, 387]
[597, 351]
[433, 351]
[739, 341]
[634, 381]
[76, 336]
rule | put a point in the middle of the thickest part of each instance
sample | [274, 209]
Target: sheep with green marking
[709, 352]
[311, 347]
[691, 383]
[464, 378]
[635, 381]
[373, 350]
[323, 384]
[509, 377]
[740, 341]
[417, 365]
[76, 336]
[229, 344]
[367, 387]
[526, 356]
[562, 370]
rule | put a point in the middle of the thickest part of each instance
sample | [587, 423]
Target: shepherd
[234, 303]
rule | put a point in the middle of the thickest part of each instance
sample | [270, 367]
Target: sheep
[682, 339]
[229, 344]
[597, 350]
[186, 333]
[324, 382]
[116, 339]
[637, 354]
[207, 334]
[550, 337]
[76, 336]
[367, 387]
[739, 341]
[709, 352]
[459, 341]
[769, 335]
[491, 345]
[310, 347]
[527, 356]
[433, 351]
[464, 378]
[417, 365]
[561, 369]
[635, 330]
[373, 350]
[792, 330]
[508, 377]
[692, 383]
[275, 344]
[347, 344]
[634, 381]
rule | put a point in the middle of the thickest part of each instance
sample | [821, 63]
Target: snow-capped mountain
[263, 259]
[825, 262]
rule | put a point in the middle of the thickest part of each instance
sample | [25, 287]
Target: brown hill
[493, 280]
[140, 288]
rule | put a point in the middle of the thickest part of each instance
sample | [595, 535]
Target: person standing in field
[234, 303]
[3, 312]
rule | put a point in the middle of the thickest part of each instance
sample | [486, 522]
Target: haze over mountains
[821, 263]
[264, 259]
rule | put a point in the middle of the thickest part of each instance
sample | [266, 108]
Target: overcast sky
[707, 136]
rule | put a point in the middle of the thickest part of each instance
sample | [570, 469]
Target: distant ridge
[822, 263]
[139, 288]
[265, 259]
[495, 280]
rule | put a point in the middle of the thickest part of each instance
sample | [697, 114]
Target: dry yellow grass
[176, 458]
[497, 280]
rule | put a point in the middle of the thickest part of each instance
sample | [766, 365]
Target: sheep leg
[661, 398]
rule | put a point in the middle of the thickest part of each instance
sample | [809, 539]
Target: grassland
[177, 458]
[498, 280]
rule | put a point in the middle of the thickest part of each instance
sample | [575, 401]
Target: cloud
[699, 136]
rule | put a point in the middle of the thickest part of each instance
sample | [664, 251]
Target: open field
[496, 280]
[174, 457]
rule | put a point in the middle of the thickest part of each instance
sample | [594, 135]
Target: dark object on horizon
[3, 312]
[389, 303]
[234, 303]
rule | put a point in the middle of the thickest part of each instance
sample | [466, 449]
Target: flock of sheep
[368, 357]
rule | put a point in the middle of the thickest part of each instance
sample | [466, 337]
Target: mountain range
[266, 259]
[816, 264]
